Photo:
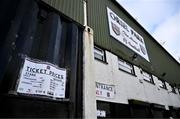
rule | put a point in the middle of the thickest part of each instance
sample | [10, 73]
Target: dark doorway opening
[33, 29]
[112, 110]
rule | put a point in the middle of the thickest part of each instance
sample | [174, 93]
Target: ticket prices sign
[122, 32]
[104, 90]
[42, 78]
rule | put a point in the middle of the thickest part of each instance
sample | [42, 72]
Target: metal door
[31, 29]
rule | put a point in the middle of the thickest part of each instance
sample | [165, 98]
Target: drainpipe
[85, 12]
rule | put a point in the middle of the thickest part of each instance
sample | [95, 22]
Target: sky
[161, 18]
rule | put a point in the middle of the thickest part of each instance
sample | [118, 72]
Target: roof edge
[137, 23]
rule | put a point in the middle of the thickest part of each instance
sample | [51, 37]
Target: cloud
[161, 18]
[149, 13]
[169, 31]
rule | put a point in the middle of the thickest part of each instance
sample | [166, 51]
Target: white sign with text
[104, 90]
[126, 35]
[101, 113]
[42, 78]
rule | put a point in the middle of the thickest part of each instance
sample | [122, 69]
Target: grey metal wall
[71, 8]
[160, 61]
[97, 19]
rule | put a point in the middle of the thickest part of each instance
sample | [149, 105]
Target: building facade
[82, 59]
[133, 91]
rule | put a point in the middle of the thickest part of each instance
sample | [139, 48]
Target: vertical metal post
[27, 30]
[12, 35]
[51, 39]
[71, 64]
[55, 40]
[85, 12]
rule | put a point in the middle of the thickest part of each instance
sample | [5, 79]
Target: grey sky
[161, 18]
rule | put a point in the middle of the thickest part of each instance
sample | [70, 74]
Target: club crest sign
[116, 29]
[126, 35]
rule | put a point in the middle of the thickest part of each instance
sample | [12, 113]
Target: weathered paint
[70, 8]
[132, 87]
[89, 93]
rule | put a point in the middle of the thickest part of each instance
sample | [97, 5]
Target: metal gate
[31, 29]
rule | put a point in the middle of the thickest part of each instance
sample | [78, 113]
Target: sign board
[104, 90]
[101, 113]
[126, 35]
[42, 78]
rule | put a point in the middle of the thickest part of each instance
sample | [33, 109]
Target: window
[173, 89]
[179, 90]
[162, 84]
[99, 54]
[147, 77]
[111, 110]
[125, 66]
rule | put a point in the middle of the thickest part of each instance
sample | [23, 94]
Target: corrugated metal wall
[39, 33]
[160, 60]
[97, 19]
[71, 8]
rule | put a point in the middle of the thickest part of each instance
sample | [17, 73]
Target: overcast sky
[161, 18]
